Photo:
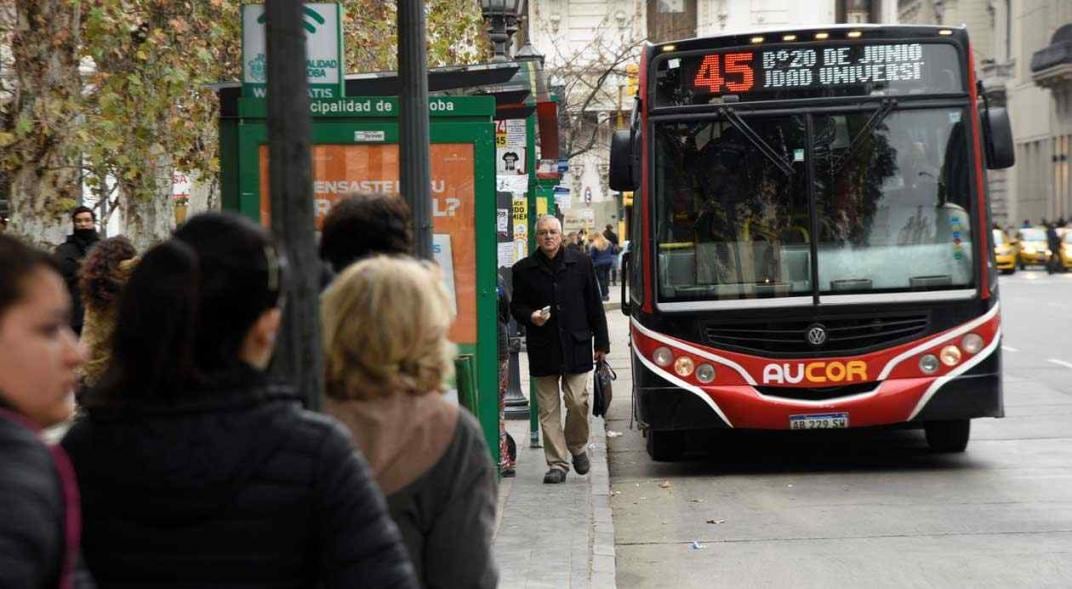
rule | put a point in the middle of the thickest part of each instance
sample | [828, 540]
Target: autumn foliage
[141, 105]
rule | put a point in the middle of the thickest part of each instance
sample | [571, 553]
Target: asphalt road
[877, 510]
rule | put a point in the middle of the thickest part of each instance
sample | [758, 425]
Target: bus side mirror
[622, 174]
[997, 130]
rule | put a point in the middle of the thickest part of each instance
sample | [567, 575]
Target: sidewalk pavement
[555, 536]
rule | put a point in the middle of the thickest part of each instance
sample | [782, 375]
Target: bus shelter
[355, 149]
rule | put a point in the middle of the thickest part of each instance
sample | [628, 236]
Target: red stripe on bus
[977, 145]
[645, 197]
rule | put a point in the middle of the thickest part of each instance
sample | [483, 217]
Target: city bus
[811, 244]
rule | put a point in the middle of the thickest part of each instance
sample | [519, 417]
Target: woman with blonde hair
[387, 356]
[603, 255]
[105, 270]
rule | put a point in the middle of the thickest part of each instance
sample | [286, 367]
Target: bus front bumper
[663, 406]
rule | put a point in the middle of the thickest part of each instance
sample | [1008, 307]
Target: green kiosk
[355, 149]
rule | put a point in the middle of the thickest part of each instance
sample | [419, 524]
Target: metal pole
[413, 125]
[517, 406]
[297, 358]
[530, 142]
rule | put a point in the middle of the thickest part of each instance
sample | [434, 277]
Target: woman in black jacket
[197, 471]
[40, 356]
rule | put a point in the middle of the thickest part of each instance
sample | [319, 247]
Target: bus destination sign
[808, 71]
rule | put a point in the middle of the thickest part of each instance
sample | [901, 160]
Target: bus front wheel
[948, 436]
[666, 446]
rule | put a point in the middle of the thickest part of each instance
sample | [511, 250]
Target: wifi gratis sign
[324, 65]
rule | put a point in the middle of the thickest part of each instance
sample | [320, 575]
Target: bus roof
[838, 32]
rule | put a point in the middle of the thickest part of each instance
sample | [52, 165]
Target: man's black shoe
[554, 476]
[581, 463]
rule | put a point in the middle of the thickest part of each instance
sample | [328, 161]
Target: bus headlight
[705, 373]
[928, 364]
[972, 343]
[684, 366]
[950, 355]
[662, 356]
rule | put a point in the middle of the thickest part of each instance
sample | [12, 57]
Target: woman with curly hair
[386, 357]
[104, 272]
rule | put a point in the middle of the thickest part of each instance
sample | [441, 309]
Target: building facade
[1023, 56]
[1040, 97]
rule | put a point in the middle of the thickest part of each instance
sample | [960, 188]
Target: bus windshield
[891, 198]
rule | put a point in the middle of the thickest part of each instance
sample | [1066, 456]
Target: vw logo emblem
[816, 334]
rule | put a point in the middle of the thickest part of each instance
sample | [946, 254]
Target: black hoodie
[70, 254]
[230, 488]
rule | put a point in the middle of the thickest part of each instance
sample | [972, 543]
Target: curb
[602, 574]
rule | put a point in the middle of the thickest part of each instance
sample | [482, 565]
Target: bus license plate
[819, 421]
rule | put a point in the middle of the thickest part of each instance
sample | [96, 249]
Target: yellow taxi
[1033, 247]
[1005, 252]
[1066, 249]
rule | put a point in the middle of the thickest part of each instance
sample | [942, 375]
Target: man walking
[1053, 242]
[557, 298]
[71, 253]
[612, 237]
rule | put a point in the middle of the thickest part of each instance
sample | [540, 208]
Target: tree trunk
[43, 164]
[148, 221]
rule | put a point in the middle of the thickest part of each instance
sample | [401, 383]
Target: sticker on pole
[370, 136]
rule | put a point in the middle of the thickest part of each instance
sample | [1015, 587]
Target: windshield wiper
[876, 117]
[750, 133]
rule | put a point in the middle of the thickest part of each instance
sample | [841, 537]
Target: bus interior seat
[677, 268]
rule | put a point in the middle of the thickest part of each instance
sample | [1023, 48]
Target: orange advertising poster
[339, 170]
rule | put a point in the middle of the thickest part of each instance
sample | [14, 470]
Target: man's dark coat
[563, 345]
[70, 255]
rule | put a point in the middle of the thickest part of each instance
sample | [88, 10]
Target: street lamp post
[501, 17]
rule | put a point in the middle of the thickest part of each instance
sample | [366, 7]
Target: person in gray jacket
[39, 515]
[387, 355]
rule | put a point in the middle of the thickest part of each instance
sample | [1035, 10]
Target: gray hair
[548, 219]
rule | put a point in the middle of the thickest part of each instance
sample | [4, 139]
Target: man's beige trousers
[560, 446]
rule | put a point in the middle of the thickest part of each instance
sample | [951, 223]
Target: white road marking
[1060, 362]
[1009, 349]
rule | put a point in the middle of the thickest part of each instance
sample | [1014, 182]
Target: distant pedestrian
[571, 242]
[103, 274]
[387, 358]
[39, 509]
[196, 470]
[1053, 242]
[71, 253]
[557, 298]
[611, 236]
[361, 225]
[1027, 224]
[603, 255]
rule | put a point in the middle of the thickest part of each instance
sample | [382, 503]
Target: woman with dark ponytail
[39, 359]
[198, 471]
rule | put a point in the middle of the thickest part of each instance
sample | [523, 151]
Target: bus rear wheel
[665, 446]
[948, 436]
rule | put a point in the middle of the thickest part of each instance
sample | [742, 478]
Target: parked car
[1005, 251]
[1066, 250]
[1033, 247]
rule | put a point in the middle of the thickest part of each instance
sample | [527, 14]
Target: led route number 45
[714, 69]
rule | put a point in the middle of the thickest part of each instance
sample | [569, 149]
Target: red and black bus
[811, 246]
